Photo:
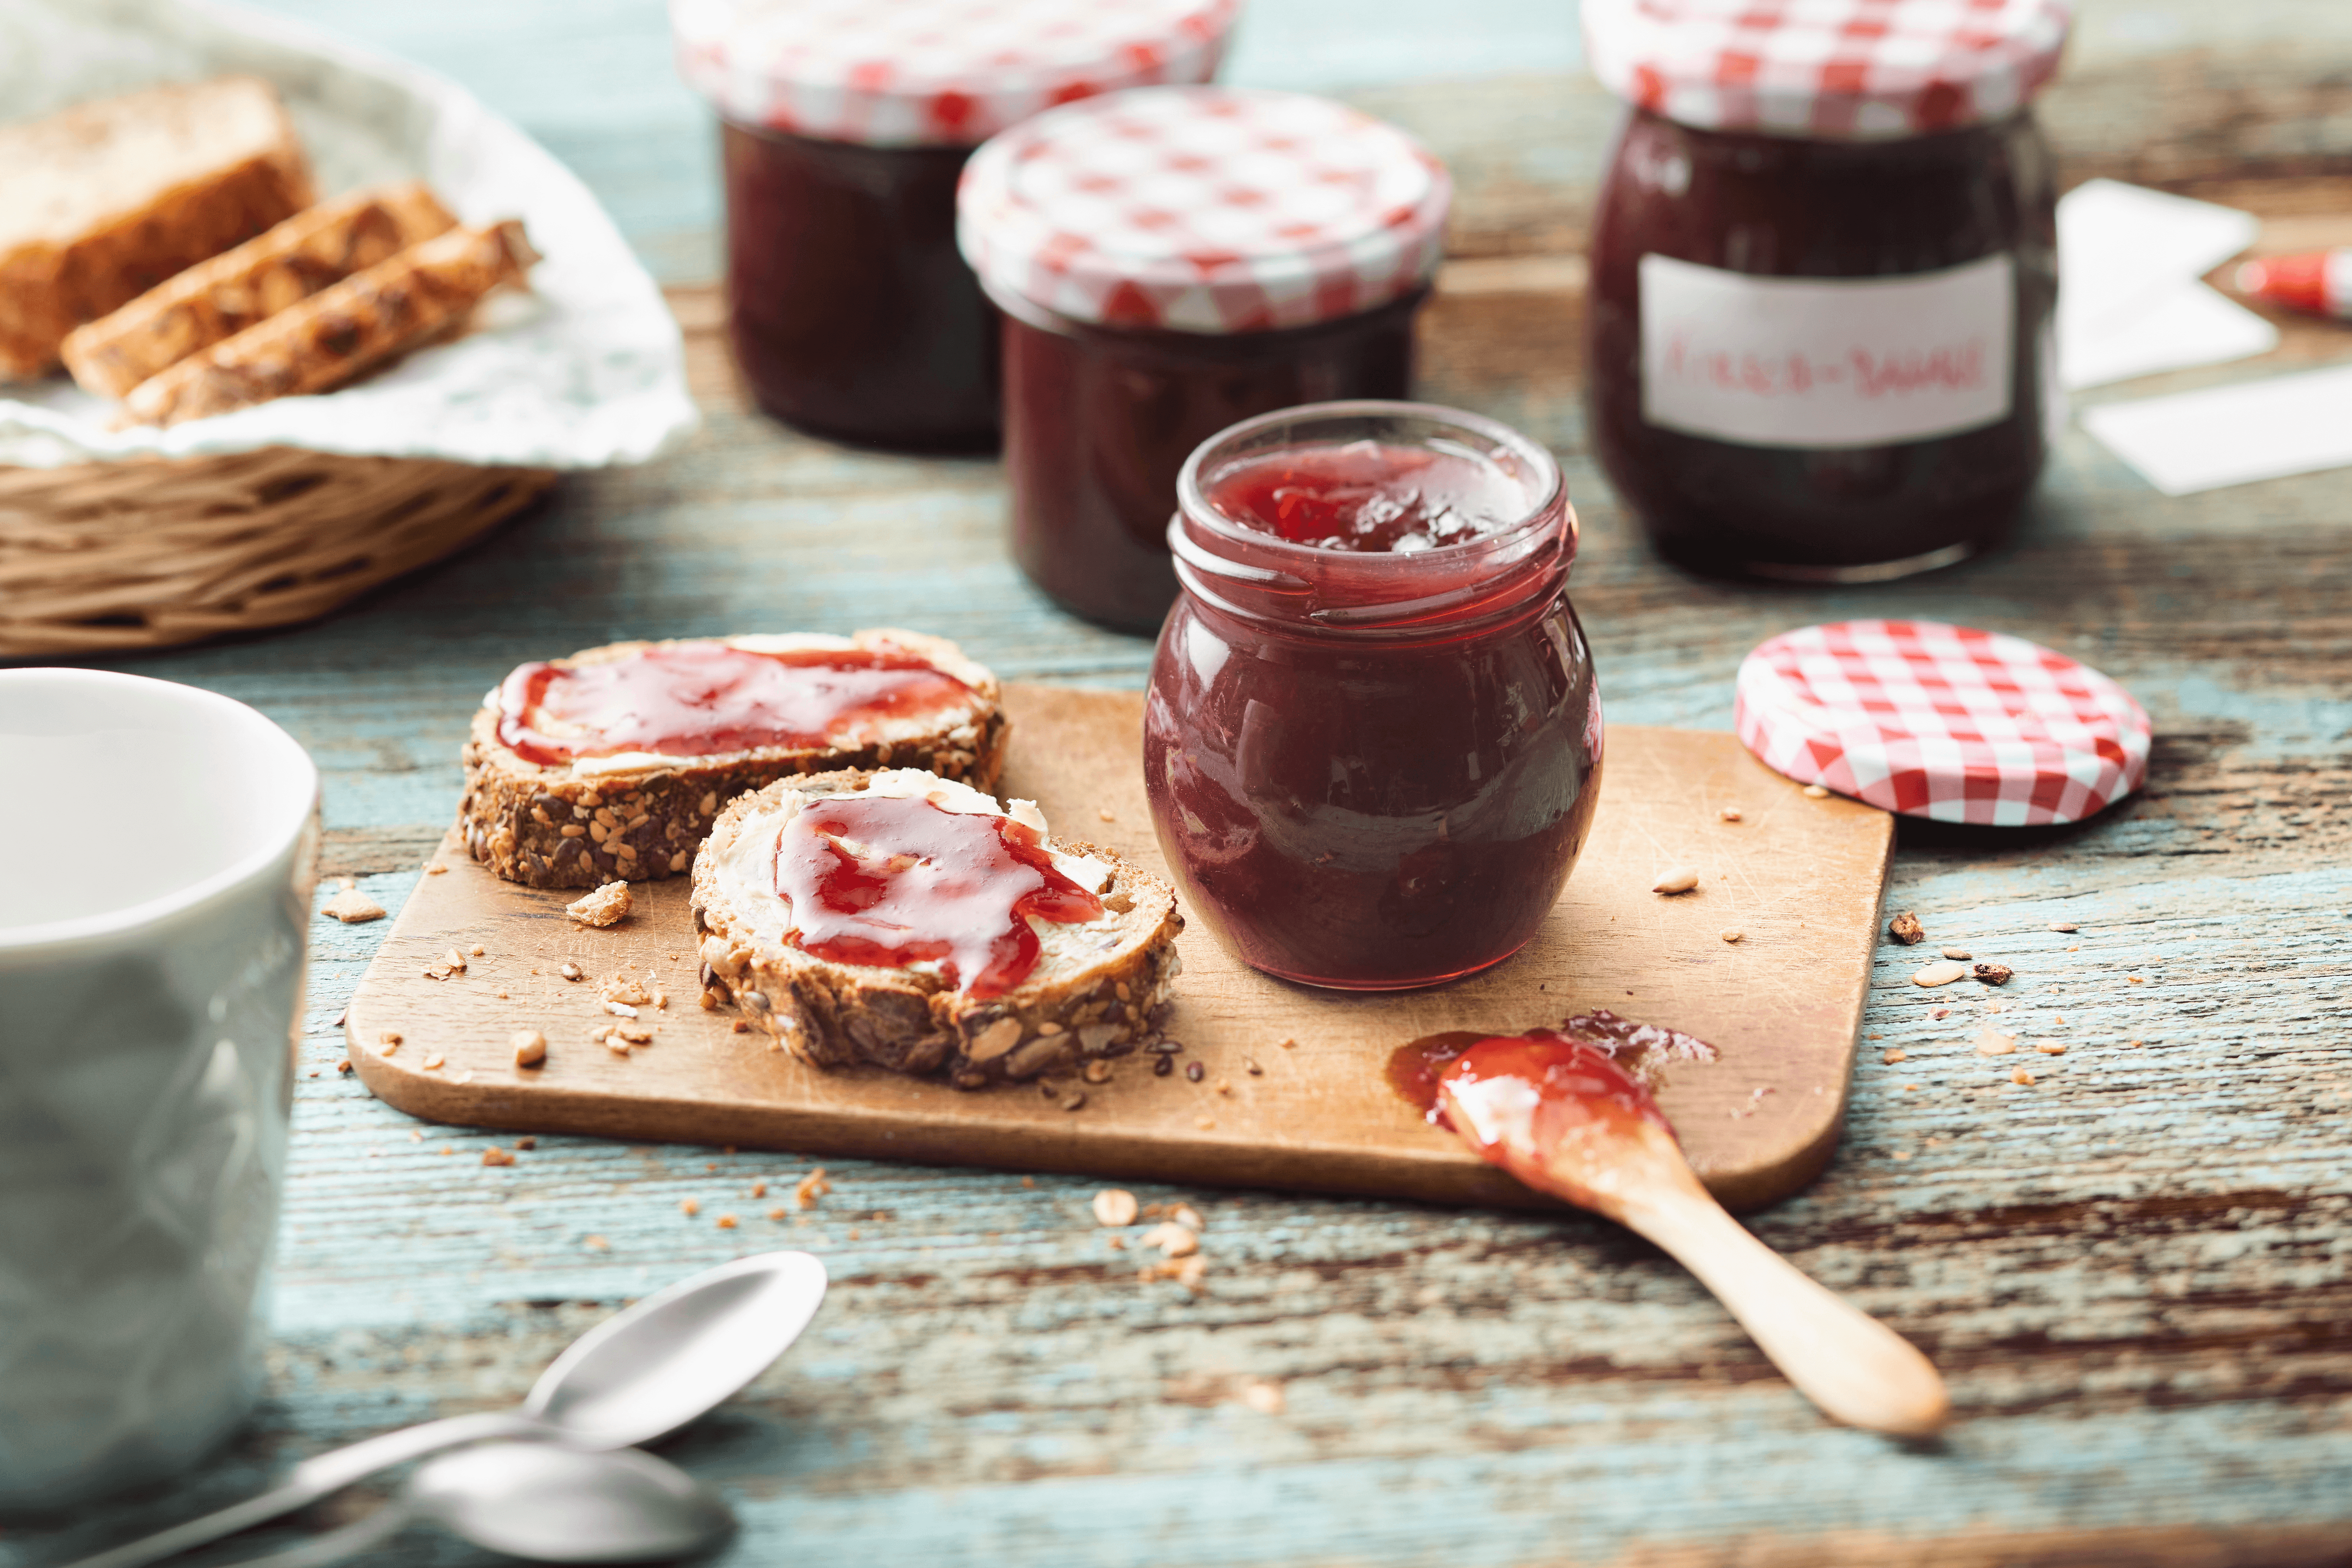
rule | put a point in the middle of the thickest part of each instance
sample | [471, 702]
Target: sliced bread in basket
[912, 923]
[614, 763]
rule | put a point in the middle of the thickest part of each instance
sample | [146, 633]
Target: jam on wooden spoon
[1565, 1116]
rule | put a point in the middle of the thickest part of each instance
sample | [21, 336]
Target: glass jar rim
[1385, 589]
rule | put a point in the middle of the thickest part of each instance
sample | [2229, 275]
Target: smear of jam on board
[889, 880]
[702, 699]
[1370, 496]
[1593, 1052]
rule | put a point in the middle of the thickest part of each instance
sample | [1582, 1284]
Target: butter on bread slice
[104, 201]
[217, 300]
[343, 331]
[1100, 987]
[641, 817]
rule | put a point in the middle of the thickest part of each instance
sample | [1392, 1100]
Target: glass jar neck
[1279, 584]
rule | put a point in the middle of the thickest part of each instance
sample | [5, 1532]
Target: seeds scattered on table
[1894, 1054]
[726, 1222]
[1993, 974]
[1095, 1071]
[530, 1048]
[1172, 1239]
[570, 971]
[1729, 813]
[1733, 934]
[496, 1156]
[1074, 1098]
[2048, 1048]
[689, 1207]
[2064, 926]
[433, 1063]
[1195, 1072]
[2022, 1076]
[1682, 879]
[608, 905]
[350, 906]
[1287, 1043]
[811, 1187]
[1114, 1206]
[1815, 792]
[1942, 972]
[1184, 1214]
[436, 869]
[1957, 955]
[476, 949]
[1266, 1398]
[1905, 928]
[1991, 1041]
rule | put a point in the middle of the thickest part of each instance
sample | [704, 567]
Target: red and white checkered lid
[1945, 722]
[1826, 70]
[933, 73]
[1204, 209]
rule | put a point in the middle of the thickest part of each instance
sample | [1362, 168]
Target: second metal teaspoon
[636, 1376]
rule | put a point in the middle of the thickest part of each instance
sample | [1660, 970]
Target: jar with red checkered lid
[845, 125]
[1169, 261]
[1823, 270]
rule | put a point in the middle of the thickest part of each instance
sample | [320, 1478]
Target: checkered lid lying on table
[1203, 209]
[933, 73]
[1826, 70]
[1945, 722]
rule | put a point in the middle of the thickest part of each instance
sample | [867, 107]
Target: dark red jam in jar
[1170, 261]
[1823, 272]
[1373, 740]
[845, 129]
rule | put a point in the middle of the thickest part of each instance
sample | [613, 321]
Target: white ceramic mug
[158, 844]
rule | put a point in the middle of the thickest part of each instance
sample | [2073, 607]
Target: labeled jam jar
[1823, 268]
[1373, 740]
[1170, 261]
[844, 131]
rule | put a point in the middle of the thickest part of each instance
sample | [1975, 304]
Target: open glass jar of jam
[1823, 272]
[844, 129]
[1373, 740]
[1170, 261]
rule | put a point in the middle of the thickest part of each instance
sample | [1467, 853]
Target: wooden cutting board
[1800, 878]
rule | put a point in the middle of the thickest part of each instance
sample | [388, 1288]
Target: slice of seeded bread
[103, 201]
[344, 330]
[1100, 989]
[216, 299]
[584, 823]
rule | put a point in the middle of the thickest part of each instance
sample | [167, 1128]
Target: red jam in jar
[890, 881]
[1170, 261]
[1819, 321]
[709, 699]
[845, 129]
[1372, 768]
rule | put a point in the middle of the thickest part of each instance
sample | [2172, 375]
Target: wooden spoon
[1563, 1117]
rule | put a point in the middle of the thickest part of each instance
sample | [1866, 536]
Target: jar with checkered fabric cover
[1170, 261]
[844, 129]
[1823, 271]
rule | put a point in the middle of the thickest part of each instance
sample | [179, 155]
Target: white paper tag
[1822, 363]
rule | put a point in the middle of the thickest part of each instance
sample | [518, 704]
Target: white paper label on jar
[1823, 362]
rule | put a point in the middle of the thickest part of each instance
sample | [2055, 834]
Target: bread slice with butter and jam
[615, 762]
[913, 922]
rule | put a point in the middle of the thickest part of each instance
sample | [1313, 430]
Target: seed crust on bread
[1100, 989]
[561, 827]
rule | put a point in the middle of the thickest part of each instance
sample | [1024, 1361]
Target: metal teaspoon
[638, 1375]
[543, 1502]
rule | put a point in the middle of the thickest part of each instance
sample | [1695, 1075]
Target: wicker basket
[104, 557]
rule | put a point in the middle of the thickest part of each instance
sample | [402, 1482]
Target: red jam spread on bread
[889, 881]
[1370, 495]
[706, 700]
[1591, 1058]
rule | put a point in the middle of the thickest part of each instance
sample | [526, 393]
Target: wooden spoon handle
[1854, 1367]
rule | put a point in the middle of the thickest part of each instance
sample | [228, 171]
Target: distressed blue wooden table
[2136, 1272]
